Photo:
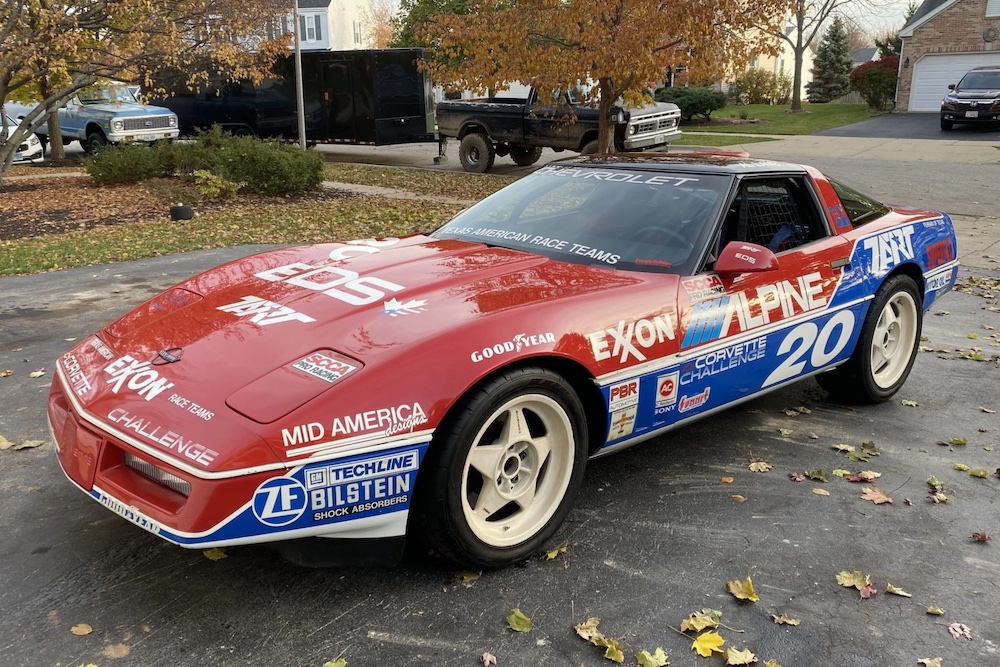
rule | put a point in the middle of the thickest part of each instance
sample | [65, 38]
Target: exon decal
[622, 423]
[623, 395]
[390, 421]
[704, 287]
[515, 344]
[164, 437]
[725, 359]
[628, 337]
[77, 378]
[279, 501]
[341, 284]
[139, 376]
[340, 489]
[890, 249]
[321, 366]
[739, 312]
[940, 252]
[688, 403]
[263, 312]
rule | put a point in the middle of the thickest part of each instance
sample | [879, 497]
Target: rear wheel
[590, 148]
[888, 345]
[476, 153]
[524, 156]
[504, 474]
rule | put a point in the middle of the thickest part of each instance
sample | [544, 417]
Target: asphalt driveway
[912, 126]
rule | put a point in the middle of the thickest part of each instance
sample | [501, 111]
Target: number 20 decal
[805, 336]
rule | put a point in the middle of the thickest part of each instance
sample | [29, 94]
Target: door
[933, 73]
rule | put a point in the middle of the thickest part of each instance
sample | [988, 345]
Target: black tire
[94, 143]
[525, 156]
[476, 153]
[946, 125]
[590, 148]
[891, 330]
[45, 145]
[502, 516]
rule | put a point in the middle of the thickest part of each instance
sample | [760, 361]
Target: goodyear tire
[476, 153]
[524, 156]
[888, 345]
[503, 474]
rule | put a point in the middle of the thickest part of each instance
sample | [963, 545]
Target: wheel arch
[912, 270]
[588, 136]
[91, 127]
[474, 128]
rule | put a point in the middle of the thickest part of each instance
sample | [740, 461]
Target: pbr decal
[700, 288]
[138, 376]
[622, 423]
[625, 340]
[722, 360]
[666, 392]
[162, 436]
[515, 344]
[742, 311]
[688, 403]
[890, 249]
[341, 284]
[78, 381]
[263, 312]
[624, 395]
[279, 501]
[323, 367]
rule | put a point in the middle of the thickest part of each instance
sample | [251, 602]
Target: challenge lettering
[167, 439]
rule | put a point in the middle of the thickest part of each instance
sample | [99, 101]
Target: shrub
[758, 86]
[213, 186]
[124, 163]
[693, 101]
[876, 82]
[269, 168]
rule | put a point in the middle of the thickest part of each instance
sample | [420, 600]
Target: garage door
[933, 73]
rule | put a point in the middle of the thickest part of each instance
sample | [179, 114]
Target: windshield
[980, 81]
[106, 94]
[627, 219]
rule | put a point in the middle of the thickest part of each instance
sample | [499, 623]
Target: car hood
[225, 350]
[976, 93]
[123, 109]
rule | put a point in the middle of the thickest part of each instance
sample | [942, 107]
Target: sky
[882, 13]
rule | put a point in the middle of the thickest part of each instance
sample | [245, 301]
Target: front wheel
[505, 473]
[94, 143]
[476, 153]
[524, 156]
[946, 125]
[888, 345]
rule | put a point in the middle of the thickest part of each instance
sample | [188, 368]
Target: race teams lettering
[890, 248]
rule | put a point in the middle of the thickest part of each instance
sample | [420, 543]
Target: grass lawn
[716, 140]
[774, 119]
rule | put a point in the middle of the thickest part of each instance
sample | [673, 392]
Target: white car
[30, 149]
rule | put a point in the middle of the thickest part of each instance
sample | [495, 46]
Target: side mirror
[745, 257]
[951, 86]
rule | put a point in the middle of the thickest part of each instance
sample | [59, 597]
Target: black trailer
[368, 97]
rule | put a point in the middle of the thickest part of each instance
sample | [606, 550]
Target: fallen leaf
[796, 477]
[897, 591]
[5, 443]
[857, 457]
[982, 537]
[81, 629]
[554, 553]
[214, 554]
[876, 495]
[935, 611]
[518, 622]
[790, 412]
[812, 436]
[972, 336]
[744, 657]
[783, 619]
[760, 465]
[772, 663]
[339, 662]
[959, 630]
[930, 662]
[803, 409]
[701, 620]
[28, 444]
[614, 651]
[938, 497]
[6, 373]
[962, 467]
[987, 410]
[868, 591]
[468, 577]
[817, 475]
[488, 659]
[727, 480]
[844, 448]
[37, 373]
[869, 475]
[959, 441]
[870, 448]
[785, 431]
[981, 473]
[657, 658]
[821, 492]
[856, 579]
[840, 472]
[934, 483]
[909, 404]
[708, 643]
[742, 590]
[738, 498]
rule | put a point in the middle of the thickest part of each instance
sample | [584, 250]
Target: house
[862, 56]
[329, 25]
[942, 41]
[783, 62]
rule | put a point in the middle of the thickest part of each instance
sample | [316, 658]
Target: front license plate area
[972, 114]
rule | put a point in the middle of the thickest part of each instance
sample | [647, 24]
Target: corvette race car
[334, 398]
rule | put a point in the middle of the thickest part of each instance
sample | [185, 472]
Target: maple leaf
[657, 658]
[869, 475]
[870, 448]
[468, 577]
[935, 611]
[588, 629]
[959, 630]
[759, 465]
[613, 650]
[744, 657]
[488, 659]
[909, 404]
[857, 457]
[959, 441]
[708, 643]
[856, 579]
[700, 620]
[876, 495]
[934, 483]
[742, 590]
[930, 662]
[799, 477]
[817, 475]
[981, 537]
[897, 591]
[518, 622]
[844, 448]
[783, 619]
[554, 553]
[840, 472]
[868, 591]
[821, 492]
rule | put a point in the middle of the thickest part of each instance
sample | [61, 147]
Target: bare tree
[376, 21]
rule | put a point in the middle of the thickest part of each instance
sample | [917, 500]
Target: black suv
[976, 98]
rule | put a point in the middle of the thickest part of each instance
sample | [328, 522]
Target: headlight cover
[117, 125]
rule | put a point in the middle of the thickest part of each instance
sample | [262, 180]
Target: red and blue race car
[334, 398]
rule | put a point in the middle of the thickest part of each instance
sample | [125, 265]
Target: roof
[314, 4]
[704, 163]
[859, 56]
[925, 12]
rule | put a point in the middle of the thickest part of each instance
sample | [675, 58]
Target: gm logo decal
[707, 319]
[279, 501]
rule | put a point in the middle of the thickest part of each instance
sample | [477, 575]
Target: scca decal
[323, 367]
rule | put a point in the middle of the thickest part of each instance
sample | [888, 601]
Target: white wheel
[896, 333]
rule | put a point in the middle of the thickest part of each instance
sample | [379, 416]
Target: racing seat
[770, 218]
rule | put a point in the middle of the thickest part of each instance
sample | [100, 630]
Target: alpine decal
[263, 312]
[739, 312]
[889, 249]
[625, 340]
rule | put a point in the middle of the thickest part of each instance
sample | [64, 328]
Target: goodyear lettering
[164, 437]
[264, 312]
[130, 513]
[139, 376]
[77, 379]
[719, 361]
[515, 344]
[890, 248]
[628, 337]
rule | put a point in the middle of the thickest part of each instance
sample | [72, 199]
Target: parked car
[974, 99]
[30, 149]
[453, 385]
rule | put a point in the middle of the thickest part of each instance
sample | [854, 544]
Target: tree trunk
[56, 149]
[606, 129]
[799, 51]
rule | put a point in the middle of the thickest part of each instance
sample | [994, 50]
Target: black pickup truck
[513, 123]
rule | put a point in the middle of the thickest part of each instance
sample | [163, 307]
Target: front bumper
[28, 154]
[963, 116]
[640, 142]
[130, 136]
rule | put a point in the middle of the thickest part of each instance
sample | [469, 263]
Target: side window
[860, 208]
[777, 213]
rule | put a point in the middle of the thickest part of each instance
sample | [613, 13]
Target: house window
[357, 32]
[309, 28]
[753, 62]
[992, 8]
